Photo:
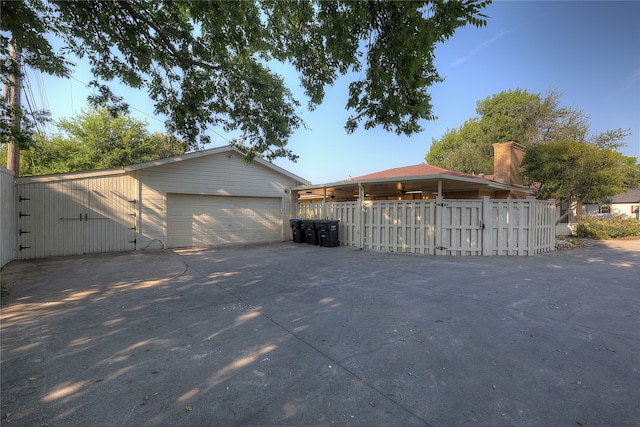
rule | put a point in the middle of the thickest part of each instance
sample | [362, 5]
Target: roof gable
[209, 152]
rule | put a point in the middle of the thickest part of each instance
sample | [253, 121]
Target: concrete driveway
[293, 334]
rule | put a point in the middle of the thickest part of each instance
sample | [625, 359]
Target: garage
[205, 220]
[210, 197]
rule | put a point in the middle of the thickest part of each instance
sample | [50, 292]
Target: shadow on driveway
[290, 334]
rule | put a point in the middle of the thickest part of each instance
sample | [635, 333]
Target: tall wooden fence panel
[400, 226]
[508, 227]
[544, 226]
[443, 227]
[345, 212]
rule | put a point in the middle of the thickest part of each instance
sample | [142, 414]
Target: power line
[31, 102]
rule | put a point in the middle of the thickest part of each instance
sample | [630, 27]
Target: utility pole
[13, 95]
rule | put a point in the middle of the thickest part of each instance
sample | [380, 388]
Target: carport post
[324, 203]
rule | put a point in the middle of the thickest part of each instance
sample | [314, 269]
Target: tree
[515, 115]
[100, 137]
[579, 172]
[459, 150]
[206, 63]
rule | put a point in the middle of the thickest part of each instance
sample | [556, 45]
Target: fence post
[360, 216]
[532, 242]
[488, 223]
[439, 248]
[551, 215]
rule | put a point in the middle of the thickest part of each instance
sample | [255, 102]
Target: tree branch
[184, 62]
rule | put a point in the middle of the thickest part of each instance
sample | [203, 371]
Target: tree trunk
[579, 210]
[568, 211]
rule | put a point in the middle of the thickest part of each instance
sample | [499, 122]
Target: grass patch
[606, 229]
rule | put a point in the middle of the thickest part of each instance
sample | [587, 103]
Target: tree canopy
[517, 115]
[579, 172]
[100, 137]
[207, 63]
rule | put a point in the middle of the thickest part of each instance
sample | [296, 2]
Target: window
[605, 209]
[635, 209]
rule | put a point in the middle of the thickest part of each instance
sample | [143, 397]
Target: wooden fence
[8, 217]
[443, 227]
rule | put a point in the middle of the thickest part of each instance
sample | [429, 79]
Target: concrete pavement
[293, 334]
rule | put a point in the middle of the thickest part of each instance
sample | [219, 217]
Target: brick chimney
[507, 157]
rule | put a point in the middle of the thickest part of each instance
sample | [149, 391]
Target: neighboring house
[625, 205]
[206, 198]
[428, 210]
[428, 182]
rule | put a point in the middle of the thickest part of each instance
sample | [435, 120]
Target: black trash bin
[297, 230]
[328, 233]
[310, 231]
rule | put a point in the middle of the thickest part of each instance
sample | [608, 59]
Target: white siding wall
[220, 174]
[8, 217]
[624, 210]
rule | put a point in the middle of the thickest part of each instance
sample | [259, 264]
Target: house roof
[412, 171]
[631, 196]
[422, 178]
[155, 163]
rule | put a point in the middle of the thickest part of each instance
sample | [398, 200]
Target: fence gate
[75, 217]
[459, 227]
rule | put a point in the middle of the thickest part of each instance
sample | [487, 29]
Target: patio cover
[423, 180]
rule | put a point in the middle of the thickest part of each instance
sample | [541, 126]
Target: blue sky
[587, 50]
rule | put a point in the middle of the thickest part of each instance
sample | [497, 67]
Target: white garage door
[194, 220]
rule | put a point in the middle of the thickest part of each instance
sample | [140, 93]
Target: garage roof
[154, 163]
